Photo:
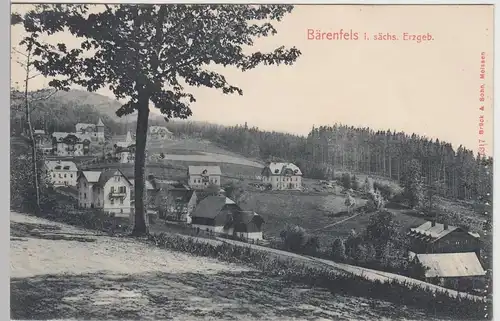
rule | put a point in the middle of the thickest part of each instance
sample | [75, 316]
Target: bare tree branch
[19, 52]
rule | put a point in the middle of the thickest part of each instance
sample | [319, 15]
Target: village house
[41, 137]
[61, 173]
[159, 132]
[246, 225]
[125, 151]
[459, 271]
[70, 144]
[221, 215]
[109, 190]
[200, 177]
[94, 131]
[432, 237]
[213, 213]
[282, 176]
[43, 141]
[177, 204]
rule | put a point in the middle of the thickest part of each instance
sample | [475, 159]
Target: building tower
[100, 131]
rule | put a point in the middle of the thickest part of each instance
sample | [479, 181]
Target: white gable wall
[114, 204]
[196, 181]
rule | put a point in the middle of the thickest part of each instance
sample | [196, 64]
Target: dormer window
[276, 171]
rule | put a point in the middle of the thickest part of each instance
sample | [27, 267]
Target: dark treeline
[57, 115]
[461, 174]
[325, 150]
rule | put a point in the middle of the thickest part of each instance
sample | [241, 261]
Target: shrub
[368, 185]
[312, 246]
[338, 250]
[355, 183]
[387, 190]
[345, 181]
[296, 239]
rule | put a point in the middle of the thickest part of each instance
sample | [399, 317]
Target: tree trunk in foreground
[140, 226]
[32, 140]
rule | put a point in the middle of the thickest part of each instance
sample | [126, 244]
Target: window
[85, 195]
[112, 201]
[71, 175]
[112, 189]
[84, 184]
[54, 175]
[64, 175]
[122, 189]
[60, 176]
[121, 201]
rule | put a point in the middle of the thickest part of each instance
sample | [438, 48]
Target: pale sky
[431, 88]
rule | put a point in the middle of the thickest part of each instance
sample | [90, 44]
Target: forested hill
[63, 109]
[326, 149]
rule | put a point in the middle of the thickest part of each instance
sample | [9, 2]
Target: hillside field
[321, 215]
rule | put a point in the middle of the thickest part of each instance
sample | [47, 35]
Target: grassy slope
[54, 276]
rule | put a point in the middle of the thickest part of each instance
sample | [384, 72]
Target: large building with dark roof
[219, 214]
[432, 237]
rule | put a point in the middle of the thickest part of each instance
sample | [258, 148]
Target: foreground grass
[342, 283]
[62, 272]
[336, 282]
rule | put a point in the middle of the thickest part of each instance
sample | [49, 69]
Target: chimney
[445, 226]
[433, 223]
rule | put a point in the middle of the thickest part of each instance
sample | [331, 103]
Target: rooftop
[211, 206]
[61, 165]
[281, 168]
[432, 233]
[451, 264]
[208, 170]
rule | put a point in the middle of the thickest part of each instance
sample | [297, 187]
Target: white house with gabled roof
[282, 176]
[159, 132]
[61, 173]
[201, 177]
[109, 190]
[125, 150]
[94, 131]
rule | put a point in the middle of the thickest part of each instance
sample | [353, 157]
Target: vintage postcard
[251, 162]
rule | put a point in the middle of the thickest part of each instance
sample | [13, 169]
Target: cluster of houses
[70, 144]
[449, 254]
[113, 192]
[78, 143]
